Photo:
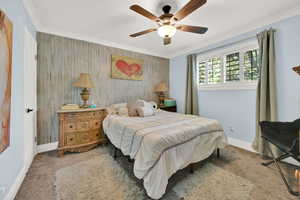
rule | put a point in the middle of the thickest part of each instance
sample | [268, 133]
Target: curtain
[191, 100]
[266, 105]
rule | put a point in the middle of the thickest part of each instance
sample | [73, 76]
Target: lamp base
[85, 95]
[161, 98]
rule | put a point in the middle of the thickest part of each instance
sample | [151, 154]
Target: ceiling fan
[167, 22]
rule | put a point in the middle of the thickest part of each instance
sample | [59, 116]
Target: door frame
[30, 49]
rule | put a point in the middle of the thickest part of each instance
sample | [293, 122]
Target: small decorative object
[169, 102]
[93, 106]
[297, 69]
[161, 90]
[84, 82]
[126, 68]
[6, 37]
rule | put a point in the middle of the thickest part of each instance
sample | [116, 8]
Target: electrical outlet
[231, 129]
[2, 190]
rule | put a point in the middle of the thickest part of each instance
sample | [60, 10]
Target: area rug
[102, 178]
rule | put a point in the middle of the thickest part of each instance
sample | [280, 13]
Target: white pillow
[145, 111]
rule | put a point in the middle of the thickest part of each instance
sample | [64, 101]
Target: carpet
[102, 178]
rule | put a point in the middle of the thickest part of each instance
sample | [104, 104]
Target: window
[202, 71]
[233, 67]
[214, 68]
[227, 67]
[251, 65]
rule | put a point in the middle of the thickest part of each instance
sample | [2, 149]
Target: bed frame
[131, 160]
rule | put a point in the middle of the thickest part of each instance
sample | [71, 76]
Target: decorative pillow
[110, 111]
[153, 104]
[132, 107]
[122, 111]
[114, 108]
[145, 111]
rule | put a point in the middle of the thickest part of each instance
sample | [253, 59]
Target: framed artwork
[5, 79]
[126, 68]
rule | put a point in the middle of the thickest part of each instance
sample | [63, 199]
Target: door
[30, 100]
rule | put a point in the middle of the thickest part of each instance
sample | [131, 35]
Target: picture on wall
[126, 68]
[5, 79]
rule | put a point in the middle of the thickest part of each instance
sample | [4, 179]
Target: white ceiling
[109, 22]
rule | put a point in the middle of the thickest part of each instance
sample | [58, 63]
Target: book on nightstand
[70, 107]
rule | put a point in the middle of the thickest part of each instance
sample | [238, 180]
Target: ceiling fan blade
[167, 40]
[144, 12]
[188, 9]
[143, 32]
[192, 29]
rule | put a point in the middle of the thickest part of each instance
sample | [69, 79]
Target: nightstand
[168, 108]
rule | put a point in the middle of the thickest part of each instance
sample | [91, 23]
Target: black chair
[285, 136]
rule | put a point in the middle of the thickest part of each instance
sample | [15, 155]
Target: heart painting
[127, 68]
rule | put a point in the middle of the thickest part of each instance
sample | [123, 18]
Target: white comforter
[147, 139]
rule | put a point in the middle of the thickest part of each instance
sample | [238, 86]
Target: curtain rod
[231, 43]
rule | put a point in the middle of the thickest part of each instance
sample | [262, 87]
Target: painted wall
[235, 109]
[11, 160]
[60, 62]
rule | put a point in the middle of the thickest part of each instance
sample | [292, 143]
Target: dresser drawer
[70, 126]
[83, 125]
[84, 137]
[70, 139]
[96, 124]
[96, 135]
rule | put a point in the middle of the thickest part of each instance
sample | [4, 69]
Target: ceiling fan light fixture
[166, 31]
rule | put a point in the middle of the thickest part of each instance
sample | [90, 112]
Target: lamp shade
[84, 81]
[162, 87]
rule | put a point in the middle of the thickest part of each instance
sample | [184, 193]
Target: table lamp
[161, 89]
[85, 82]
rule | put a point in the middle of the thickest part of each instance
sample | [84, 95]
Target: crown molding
[241, 30]
[28, 4]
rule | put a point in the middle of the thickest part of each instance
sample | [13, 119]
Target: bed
[162, 144]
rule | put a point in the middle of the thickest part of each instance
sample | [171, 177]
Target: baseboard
[19, 180]
[248, 146]
[47, 147]
[241, 144]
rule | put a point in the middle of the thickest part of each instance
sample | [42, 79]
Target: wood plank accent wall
[61, 60]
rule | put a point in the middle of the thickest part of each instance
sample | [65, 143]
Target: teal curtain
[266, 104]
[191, 100]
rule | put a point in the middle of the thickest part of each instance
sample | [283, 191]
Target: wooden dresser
[80, 130]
